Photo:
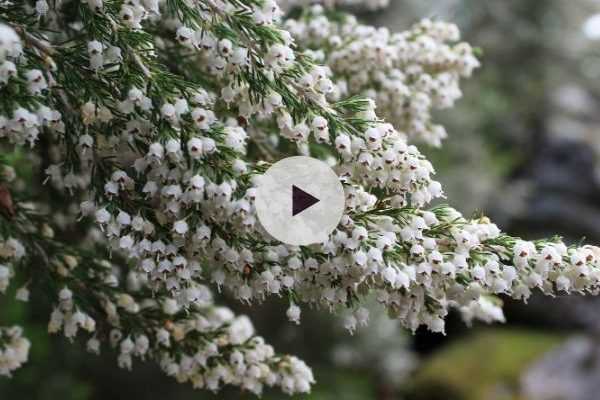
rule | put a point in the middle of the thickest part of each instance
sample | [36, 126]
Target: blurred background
[523, 146]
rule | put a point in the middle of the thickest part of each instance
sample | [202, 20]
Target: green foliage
[481, 366]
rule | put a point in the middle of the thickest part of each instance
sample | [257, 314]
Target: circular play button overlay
[300, 201]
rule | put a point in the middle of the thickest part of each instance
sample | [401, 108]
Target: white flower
[194, 147]
[129, 18]
[95, 5]
[88, 112]
[181, 107]
[240, 330]
[343, 144]
[123, 218]
[17, 248]
[36, 81]
[95, 47]
[5, 275]
[185, 36]
[168, 111]
[102, 216]
[126, 242]
[362, 316]
[10, 44]
[7, 70]
[563, 283]
[22, 294]
[389, 274]
[350, 323]
[156, 151]
[15, 349]
[170, 306]
[93, 345]
[180, 227]
[208, 145]
[142, 345]
[65, 294]
[293, 313]
[203, 118]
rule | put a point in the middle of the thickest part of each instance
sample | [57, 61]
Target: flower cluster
[101, 56]
[205, 345]
[420, 263]
[14, 349]
[10, 44]
[191, 338]
[24, 124]
[11, 252]
[408, 74]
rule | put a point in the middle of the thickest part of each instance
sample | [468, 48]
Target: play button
[300, 201]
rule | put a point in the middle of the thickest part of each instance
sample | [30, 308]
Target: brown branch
[7, 206]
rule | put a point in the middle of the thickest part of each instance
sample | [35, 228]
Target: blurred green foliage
[481, 366]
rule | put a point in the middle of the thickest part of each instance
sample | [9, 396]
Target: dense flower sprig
[204, 344]
[201, 343]
[14, 349]
[407, 73]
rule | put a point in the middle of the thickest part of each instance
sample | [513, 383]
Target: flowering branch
[150, 112]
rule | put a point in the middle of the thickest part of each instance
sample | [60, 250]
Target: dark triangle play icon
[301, 200]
